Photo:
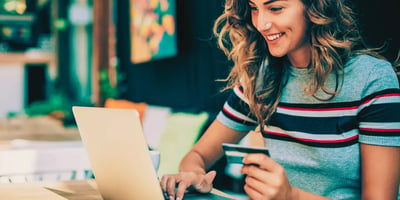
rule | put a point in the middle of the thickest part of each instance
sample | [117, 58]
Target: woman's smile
[283, 25]
[273, 38]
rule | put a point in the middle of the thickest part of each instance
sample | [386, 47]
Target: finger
[257, 173]
[262, 160]
[251, 193]
[257, 186]
[180, 192]
[206, 184]
[209, 177]
[163, 182]
[171, 183]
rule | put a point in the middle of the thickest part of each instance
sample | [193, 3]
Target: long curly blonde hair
[334, 37]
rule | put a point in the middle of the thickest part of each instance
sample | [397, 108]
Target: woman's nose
[264, 23]
[264, 26]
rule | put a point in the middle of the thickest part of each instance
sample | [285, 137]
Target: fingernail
[171, 197]
[178, 198]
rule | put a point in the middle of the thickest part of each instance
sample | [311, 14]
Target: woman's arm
[380, 168]
[209, 148]
[193, 167]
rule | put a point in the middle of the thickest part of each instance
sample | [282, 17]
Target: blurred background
[85, 51]
[59, 53]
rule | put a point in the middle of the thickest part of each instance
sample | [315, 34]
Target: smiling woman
[327, 105]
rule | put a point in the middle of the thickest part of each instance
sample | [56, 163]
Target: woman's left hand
[265, 178]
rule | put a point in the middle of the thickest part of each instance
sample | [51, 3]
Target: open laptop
[119, 156]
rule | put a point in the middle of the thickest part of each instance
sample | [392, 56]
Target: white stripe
[381, 100]
[380, 125]
[240, 94]
[238, 114]
[319, 113]
[308, 136]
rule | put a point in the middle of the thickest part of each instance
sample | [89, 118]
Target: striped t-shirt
[317, 142]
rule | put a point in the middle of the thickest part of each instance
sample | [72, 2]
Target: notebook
[119, 155]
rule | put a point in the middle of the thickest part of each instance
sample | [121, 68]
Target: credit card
[234, 153]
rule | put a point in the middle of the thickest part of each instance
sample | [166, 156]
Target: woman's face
[284, 27]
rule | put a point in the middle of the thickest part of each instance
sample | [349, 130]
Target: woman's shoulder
[367, 61]
[367, 64]
[374, 73]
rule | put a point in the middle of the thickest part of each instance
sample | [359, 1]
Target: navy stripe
[312, 143]
[236, 103]
[314, 125]
[382, 92]
[380, 133]
[321, 105]
[388, 112]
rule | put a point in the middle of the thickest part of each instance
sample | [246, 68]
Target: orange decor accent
[125, 104]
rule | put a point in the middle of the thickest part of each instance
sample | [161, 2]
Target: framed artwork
[152, 30]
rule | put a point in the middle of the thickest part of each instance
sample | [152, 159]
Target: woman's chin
[277, 54]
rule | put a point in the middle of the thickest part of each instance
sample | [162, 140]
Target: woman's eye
[275, 9]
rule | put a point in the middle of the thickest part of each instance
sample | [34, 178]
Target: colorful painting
[153, 30]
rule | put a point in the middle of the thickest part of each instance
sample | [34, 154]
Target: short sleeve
[236, 113]
[379, 112]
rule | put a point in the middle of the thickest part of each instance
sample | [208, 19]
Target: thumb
[206, 184]
[209, 177]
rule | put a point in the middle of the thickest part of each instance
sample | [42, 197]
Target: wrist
[193, 171]
[294, 193]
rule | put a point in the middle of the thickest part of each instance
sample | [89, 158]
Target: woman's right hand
[200, 182]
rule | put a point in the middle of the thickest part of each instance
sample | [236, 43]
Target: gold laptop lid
[118, 153]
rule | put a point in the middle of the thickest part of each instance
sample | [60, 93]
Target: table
[61, 190]
[72, 190]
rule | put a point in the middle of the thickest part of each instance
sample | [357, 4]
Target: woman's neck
[301, 57]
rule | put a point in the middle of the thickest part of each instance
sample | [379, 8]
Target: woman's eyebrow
[266, 2]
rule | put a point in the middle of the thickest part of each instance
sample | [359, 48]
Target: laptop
[119, 155]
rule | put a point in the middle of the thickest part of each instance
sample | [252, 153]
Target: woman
[328, 108]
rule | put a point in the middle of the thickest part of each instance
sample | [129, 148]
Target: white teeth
[274, 37]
